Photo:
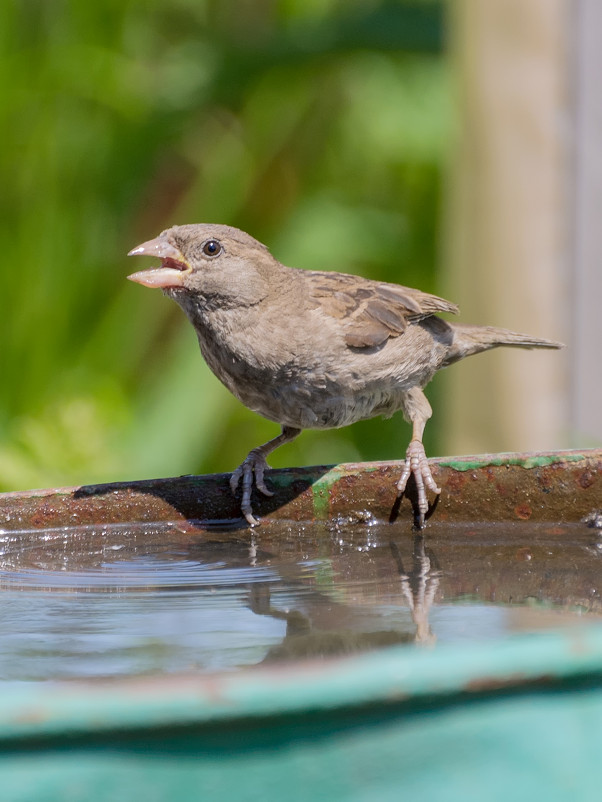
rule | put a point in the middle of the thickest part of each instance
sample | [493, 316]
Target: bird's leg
[254, 466]
[417, 410]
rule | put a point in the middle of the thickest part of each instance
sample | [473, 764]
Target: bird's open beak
[174, 267]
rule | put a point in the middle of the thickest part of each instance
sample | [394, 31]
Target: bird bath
[154, 646]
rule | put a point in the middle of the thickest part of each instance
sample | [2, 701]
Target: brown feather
[371, 311]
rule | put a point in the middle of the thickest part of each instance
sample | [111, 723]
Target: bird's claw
[417, 465]
[253, 467]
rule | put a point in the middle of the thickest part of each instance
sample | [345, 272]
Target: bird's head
[209, 262]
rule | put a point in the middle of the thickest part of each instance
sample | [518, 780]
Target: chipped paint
[321, 491]
[523, 460]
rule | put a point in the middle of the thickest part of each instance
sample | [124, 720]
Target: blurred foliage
[320, 126]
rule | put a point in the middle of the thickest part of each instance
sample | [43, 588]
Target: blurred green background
[319, 126]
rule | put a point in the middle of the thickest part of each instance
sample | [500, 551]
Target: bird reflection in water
[303, 640]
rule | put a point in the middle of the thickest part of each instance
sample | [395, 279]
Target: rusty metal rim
[560, 486]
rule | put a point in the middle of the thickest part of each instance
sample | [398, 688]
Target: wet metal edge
[560, 486]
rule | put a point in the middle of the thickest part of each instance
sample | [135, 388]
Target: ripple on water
[129, 600]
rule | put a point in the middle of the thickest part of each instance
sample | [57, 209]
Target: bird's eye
[212, 248]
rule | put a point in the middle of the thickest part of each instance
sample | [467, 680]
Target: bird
[311, 349]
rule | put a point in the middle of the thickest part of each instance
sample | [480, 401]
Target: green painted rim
[524, 460]
[399, 674]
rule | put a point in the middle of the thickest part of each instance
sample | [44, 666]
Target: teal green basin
[510, 721]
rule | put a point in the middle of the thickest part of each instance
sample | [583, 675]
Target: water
[123, 600]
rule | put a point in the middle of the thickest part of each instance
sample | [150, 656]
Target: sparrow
[312, 349]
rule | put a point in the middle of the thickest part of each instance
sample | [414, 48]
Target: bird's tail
[468, 340]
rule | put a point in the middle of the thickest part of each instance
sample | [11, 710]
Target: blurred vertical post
[508, 235]
[586, 363]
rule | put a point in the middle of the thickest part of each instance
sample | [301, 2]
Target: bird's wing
[371, 311]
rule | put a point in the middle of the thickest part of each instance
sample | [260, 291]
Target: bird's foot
[417, 465]
[252, 467]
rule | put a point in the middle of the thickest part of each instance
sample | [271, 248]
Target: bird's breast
[306, 377]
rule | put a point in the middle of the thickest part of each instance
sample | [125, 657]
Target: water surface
[126, 600]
